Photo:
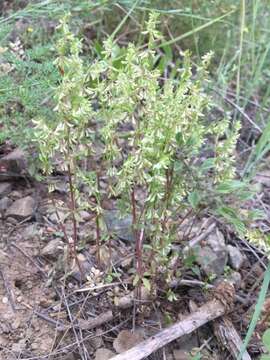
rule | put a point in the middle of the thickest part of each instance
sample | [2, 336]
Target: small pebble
[5, 300]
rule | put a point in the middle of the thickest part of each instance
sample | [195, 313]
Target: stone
[119, 225]
[236, 259]
[216, 240]
[5, 188]
[211, 262]
[13, 164]
[52, 248]
[30, 231]
[3, 340]
[107, 256]
[84, 216]
[126, 339]
[19, 346]
[61, 186]
[181, 355]
[22, 208]
[5, 203]
[104, 354]
[235, 279]
[97, 342]
[214, 256]
[54, 217]
[15, 195]
[87, 264]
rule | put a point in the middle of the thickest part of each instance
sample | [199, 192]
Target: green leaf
[265, 357]
[261, 148]
[231, 216]
[146, 283]
[257, 311]
[207, 165]
[196, 357]
[179, 139]
[266, 339]
[191, 141]
[168, 52]
[257, 214]
[136, 280]
[194, 199]
[230, 186]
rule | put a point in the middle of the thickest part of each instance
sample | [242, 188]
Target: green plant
[266, 343]
[257, 312]
[152, 134]
[69, 135]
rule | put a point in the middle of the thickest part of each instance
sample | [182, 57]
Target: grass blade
[197, 29]
[261, 148]
[257, 311]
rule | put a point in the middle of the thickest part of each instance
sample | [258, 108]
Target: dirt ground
[46, 306]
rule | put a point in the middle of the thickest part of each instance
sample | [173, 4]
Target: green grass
[237, 32]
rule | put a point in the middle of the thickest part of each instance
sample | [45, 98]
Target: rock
[19, 346]
[124, 301]
[211, 262]
[22, 208]
[213, 257]
[118, 225]
[30, 232]
[236, 259]
[52, 248]
[3, 340]
[5, 188]
[104, 354]
[15, 194]
[54, 217]
[61, 186]
[87, 264]
[181, 355]
[97, 342]
[235, 279]
[13, 164]
[126, 339]
[84, 216]
[216, 240]
[108, 257]
[5, 203]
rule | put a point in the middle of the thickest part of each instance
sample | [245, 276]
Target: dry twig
[222, 302]
[229, 338]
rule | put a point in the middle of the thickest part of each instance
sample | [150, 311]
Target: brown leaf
[126, 339]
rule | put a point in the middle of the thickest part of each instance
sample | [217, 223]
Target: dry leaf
[126, 339]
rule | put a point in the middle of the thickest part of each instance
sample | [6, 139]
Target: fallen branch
[199, 238]
[97, 321]
[222, 302]
[229, 338]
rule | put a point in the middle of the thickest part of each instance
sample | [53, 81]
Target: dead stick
[229, 338]
[208, 312]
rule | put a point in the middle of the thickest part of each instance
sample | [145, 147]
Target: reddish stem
[98, 240]
[138, 240]
[98, 225]
[74, 221]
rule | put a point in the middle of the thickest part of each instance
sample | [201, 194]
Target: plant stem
[138, 247]
[98, 240]
[97, 221]
[74, 221]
